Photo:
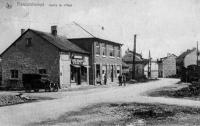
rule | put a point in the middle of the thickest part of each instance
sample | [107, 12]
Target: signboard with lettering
[77, 61]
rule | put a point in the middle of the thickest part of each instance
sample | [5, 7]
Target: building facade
[105, 53]
[167, 66]
[185, 59]
[105, 58]
[36, 52]
[139, 66]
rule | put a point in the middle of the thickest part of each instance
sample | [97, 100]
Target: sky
[162, 26]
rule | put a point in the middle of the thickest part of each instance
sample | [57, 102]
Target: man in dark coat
[120, 80]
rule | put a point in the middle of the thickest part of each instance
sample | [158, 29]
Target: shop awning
[77, 66]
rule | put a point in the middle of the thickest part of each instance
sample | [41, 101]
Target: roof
[181, 57]
[59, 42]
[128, 57]
[164, 58]
[76, 31]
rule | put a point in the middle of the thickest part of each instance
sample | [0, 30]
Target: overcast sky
[162, 26]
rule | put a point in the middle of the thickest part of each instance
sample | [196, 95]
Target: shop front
[79, 70]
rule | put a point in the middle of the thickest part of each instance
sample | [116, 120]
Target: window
[104, 49]
[42, 71]
[28, 42]
[14, 73]
[97, 48]
[118, 51]
[112, 51]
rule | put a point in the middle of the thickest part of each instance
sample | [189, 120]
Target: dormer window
[28, 42]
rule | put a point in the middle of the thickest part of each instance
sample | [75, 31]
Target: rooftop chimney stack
[54, 30]
[22, 31]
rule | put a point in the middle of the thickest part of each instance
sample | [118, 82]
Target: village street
[24, 114]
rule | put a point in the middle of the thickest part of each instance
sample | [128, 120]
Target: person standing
[105, 78]
[120, 80]
[124, 79]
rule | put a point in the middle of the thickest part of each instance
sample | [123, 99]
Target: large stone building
[44, 53]
[167, 66]
[105, 54]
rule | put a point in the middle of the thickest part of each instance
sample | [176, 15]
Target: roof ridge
[59, 41]
[83, 29]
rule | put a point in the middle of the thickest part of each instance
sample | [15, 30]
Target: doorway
[76, 74]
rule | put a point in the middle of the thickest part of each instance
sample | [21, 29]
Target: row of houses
[149, 68]
[169, 66]
[77, 55]
[71, 56]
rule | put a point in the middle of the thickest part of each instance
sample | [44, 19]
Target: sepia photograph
[99, 63]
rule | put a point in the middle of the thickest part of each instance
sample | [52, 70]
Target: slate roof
[60, 42]
[74, 31]
[181, 57]
[129, 58]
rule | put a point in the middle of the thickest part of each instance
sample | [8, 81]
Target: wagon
[36, 82]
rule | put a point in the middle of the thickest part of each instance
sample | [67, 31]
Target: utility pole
[149, 65]
[134, 53]
[197, 53]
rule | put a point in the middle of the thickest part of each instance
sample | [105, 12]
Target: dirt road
[24, 114]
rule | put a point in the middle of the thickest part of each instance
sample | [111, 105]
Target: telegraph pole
[197, 53]
[134, 53]
[149, 64]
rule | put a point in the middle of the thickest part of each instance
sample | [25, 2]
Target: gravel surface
[25, 114]
[6, 100]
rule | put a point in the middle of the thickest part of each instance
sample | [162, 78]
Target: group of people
[122, 79]
[102, 80]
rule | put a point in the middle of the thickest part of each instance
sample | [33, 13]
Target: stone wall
[29, 59]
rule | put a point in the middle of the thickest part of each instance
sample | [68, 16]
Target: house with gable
[167, 66]
[139, 67]
[37, 52]
[185, 59]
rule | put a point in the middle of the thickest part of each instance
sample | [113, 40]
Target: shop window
[14, 73]
[97, 48]
[28, 42]
[104, 49]
[42, 71]
[112, 51]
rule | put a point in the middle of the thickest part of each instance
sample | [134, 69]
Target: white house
[154, 70]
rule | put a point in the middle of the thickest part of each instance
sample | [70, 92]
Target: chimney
[54, 30]
[22, 31]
